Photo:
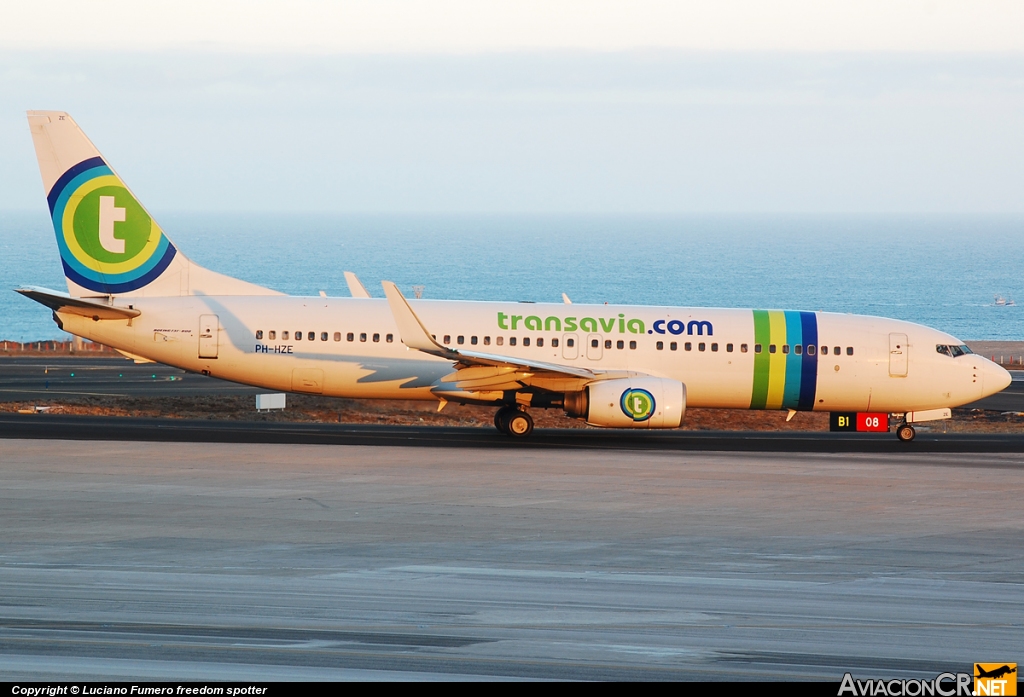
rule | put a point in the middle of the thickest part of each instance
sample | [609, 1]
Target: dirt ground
[303, 408]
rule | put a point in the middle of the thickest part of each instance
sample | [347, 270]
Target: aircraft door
[898, 355]
[594, 347]
[209, 329]
[570, 346]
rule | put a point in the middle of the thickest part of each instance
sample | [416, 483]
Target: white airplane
[615, 366]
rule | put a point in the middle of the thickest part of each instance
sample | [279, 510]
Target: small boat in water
[1004, 302]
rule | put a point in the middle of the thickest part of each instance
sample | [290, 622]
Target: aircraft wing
[86, 307]
[355, 287]
[476, 370]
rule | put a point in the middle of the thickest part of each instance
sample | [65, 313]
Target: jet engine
[629, 403]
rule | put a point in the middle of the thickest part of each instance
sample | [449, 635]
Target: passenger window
[526, 341]
[660, 345]
[500, 340]
[728, 348]
[570, 342]
[337, 336]
[824, 350]
[620, 344]
[487, 341]
[323, 336]
[298, 336]
[798, 349]
[376, 338]
[259, 333]
[351, 336]
[701, 346]
[460, 340]
[511, 341]
[473, 340]
[272, 335]
[540, 342]
[594, 343]
[632, 344]
[810, 350]
[447, 339]
[284, 336]
[785, 348]
[835, 350]
[771, 348]
[554, 343]
[714, 347]
[849, 350]
[743, 348]
[362, 336]
[688, 346]
[389, 338]
[607, 343]
[311, 336]
[757, 348]
[672, 346]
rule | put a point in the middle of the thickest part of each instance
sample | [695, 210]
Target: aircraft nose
[996, 378]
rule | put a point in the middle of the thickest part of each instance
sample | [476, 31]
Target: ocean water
[942, 271]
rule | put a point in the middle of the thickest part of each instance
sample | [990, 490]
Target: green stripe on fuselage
[762, 334]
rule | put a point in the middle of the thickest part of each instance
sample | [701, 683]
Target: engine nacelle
[630, 403]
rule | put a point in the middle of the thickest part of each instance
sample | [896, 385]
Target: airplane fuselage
[728, 358]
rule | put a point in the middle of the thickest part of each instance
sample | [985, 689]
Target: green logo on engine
[637, 404]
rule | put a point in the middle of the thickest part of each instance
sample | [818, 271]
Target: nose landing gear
[905, 432]
[513, 422]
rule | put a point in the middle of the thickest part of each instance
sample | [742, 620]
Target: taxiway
[176, 560]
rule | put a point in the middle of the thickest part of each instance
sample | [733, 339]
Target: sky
[529, 107]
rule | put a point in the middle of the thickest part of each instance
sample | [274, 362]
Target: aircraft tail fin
[109, 244]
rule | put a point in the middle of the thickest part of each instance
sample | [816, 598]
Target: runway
[61, 377]
[170, 560]
[194, 431]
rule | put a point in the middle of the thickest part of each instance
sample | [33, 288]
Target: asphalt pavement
[231, 561]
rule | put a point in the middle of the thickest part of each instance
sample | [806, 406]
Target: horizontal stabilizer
[62, 302]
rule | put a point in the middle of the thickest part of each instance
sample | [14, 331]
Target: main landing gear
[905, 432]
[513, 422]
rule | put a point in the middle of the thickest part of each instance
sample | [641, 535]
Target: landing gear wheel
[905, 432]
[519, 424]
[501, 419]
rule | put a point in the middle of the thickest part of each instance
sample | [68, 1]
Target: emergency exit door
[209, 331]
[898, 355]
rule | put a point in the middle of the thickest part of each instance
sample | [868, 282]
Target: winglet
[565, 299]
[410, 328]
[355, 286]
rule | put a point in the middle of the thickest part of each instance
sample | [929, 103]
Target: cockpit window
[953, 351]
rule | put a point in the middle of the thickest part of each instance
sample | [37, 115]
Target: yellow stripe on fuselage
[776, 361]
